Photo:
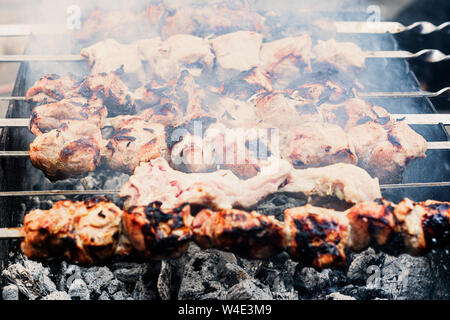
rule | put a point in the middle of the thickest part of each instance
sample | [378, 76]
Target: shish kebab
[95, 230]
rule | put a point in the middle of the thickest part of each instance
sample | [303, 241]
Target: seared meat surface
[50, 116]
[156, 233]
[86, 232]
[71, 150]
[95, 230]
[51, 88]
[316, 144]
[137, 141]
[116, 96]
[385, 152]
[249, 234]
[344, 56]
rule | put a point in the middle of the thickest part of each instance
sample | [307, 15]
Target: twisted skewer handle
[420, 27]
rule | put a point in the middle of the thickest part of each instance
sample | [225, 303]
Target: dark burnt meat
[249, 234]
[315, 236]
[158, 234]
[115, 94]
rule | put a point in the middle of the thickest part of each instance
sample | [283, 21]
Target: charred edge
[437, 229]
[78, 145]
[392, 139]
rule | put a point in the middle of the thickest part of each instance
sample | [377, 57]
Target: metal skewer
[428, 55]
[11, 233]
[422, 27]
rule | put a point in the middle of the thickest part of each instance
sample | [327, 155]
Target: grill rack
[13, 174]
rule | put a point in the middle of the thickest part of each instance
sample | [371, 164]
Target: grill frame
[14, 173]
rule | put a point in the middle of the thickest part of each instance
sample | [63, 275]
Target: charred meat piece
[51, 88]
[72, 150]
[286, 58]
[237, 51]
[138, 141]
[355, 112]
[248, 234]
[247, 83]
[115, 94]
[279, 110]
[157, 181]
[156, 233]
[344, 56]
[320, 93]
[317, 144]
[50, 116]
[372, 224]
[315, 236]
[166, 59]
[125, 56]
[344, 181]
[385, 153]
[86, 232]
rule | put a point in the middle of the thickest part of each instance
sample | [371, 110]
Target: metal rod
[56, 193]
[425, 118]
[433, 145]
[46, 58]
[415, 185]
[412, 94]
[18, 30]
[428, 55]
[11, 233]
[422, 27]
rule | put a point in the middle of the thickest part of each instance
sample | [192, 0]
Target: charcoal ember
[165, 280]
[97, 278]
[309, 282]
[249, 289]
[69, 272]
[20, 276]
[440, 264]
[114, 286]
[143, 291]
[104, 296]
[129, 272]
[359, 270]
[407, 277]
[278, 275]
[120, 295]
[338, 296]
[78, 290]
[200, 278]
[57, 295]
[232, 274]
[10, 292]
[362, 293]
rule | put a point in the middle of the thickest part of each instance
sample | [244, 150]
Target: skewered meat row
[96, 230]
[55, 99]
[157, 181]
[227, 55]
[368, 136]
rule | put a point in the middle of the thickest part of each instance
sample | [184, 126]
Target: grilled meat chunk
[286, 58]
[71, 150]
[156, 233]
[238, 51]
[320, 93]
[115, 94]
[50, 116]
[315, 236]
[355, 112]
[344, 181]
[166, 59]
[137, 141]
[317, 144]
[157, 181]
[281, 111]
[51, 88]
[248, 234]
[126, 56]
[385, 153]
[86, 232]
[343, 56]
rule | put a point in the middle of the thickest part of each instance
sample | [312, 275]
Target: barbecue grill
[387, 81]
